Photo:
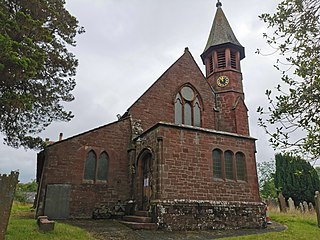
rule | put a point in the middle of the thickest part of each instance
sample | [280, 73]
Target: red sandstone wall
[187, 170]
[157, 103]
[65, 164]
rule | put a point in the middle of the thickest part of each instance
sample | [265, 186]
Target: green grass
[300, 226]
[22, 225]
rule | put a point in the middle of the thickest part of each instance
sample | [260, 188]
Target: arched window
[197, 113]
[178, 110]
[241, 167]
[103, 166]
[217, 166]
[90, 166]
[187, 107]
[228, 163]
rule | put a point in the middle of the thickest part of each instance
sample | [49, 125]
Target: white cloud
[128, 44]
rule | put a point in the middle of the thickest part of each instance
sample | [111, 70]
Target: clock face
[222, 81]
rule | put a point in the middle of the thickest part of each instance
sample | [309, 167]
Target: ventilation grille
[233, 60]
[211, 65]
[221, 59]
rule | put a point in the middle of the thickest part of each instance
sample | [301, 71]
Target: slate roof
[221, 33]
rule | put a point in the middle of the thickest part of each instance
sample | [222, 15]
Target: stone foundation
[208, 215]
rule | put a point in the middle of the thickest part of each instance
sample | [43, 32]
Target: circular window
[187, 93]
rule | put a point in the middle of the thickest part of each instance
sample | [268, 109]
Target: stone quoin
[182, 152]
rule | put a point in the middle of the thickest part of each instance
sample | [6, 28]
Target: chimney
[60, 136]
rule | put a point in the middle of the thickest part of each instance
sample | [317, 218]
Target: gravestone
[282, 203]
[311, 208]
[317, 206]
[305, 207]
[292, 207]
[7, 189]
[272, 203]
[301, 207]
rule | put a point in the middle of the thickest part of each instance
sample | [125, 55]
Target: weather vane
[219, 4]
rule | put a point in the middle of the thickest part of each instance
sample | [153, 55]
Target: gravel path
[113, 230]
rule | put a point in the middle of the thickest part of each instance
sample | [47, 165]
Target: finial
[219, 4]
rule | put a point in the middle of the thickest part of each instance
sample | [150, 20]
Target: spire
[221, 33]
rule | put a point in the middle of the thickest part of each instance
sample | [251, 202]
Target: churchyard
[22, 225]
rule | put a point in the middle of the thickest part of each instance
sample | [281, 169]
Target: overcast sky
[128, 44]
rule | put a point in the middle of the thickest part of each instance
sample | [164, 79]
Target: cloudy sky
[128, 44]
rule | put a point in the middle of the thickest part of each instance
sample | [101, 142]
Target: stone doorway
[144, 177]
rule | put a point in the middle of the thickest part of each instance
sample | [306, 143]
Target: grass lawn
[300, 226]
[22, 226]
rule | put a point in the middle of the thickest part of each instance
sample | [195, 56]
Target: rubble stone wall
[208, 215]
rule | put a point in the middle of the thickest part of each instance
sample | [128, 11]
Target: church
[180, 158]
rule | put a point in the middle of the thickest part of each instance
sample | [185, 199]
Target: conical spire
[221, 33]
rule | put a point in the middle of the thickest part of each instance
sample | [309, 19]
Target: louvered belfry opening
[221, 58]
[211, 64]
[233, 59]
[224, 58]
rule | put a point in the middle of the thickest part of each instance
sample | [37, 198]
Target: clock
[222, 81]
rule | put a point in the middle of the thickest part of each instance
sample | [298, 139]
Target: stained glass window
[178, 110]
[103, 166]
[187, 114]
[241, 167]
[217, 167]
[90, 166]
[197, 114]
[228, 163]
[187, 107]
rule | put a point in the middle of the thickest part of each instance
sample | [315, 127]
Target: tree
[294, 112]
[296, 178]
[266, 171]
[36, 69]
[318, 171]
[23, 188]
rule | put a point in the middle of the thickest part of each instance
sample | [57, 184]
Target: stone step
[142, 213]
[140, 226]
[138, 219]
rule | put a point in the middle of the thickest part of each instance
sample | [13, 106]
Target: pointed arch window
[187, 107]
[228, 162]
[103, 167]
[217, 163]
[90, 166]
[96, 169]
[241, 167]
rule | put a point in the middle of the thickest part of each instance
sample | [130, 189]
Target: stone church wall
[64, 164]
[157, 103]
[185, 165]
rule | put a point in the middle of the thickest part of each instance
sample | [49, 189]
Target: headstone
[7, 189]
[311, 208]
[317, 206]
[282, 203]
[292, 207]
[301, 207]
[305, 207]
[272, 203]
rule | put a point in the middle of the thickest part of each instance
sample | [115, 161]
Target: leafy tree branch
[36, 69]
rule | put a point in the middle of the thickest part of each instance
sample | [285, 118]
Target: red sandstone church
[181, 157]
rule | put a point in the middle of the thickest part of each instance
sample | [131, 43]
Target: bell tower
[221, 57]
